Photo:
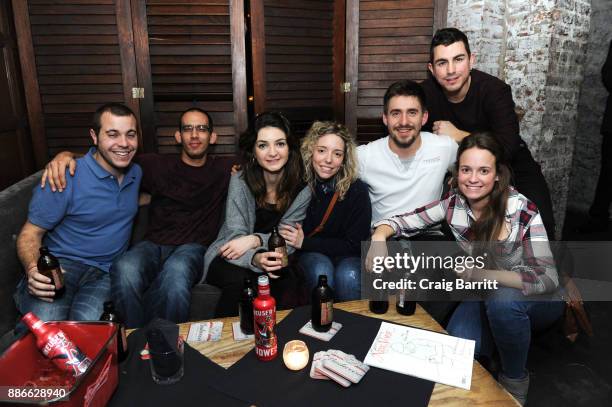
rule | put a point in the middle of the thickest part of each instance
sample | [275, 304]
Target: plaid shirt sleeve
[413, 223]
[537, 268]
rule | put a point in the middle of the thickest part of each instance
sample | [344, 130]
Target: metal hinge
[137, 93]
[345, 87]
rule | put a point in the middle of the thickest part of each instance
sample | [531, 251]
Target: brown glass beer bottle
[277, 244]
[49, 266]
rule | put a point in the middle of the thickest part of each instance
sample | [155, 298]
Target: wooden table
[485, 391]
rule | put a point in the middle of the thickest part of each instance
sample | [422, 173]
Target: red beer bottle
[264, 314]
[55, 345]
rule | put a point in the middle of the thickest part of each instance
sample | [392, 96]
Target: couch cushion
[14, 203]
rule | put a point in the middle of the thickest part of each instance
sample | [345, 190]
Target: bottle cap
[43, 249]
[263, 280]
[109, 306]
[322, 279]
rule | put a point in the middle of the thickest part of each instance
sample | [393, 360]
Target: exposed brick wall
[586, 162]
[483, 23]
[538, 48]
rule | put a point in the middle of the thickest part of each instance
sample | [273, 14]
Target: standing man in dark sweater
[186, 196]
[462, 100]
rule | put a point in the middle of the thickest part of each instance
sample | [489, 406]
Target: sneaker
[517, 387]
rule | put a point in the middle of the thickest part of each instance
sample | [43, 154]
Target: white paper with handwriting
[428, 355]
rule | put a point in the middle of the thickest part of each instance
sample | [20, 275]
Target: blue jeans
[154, 281]
[504, 320]
[87, 288]
[343, 274]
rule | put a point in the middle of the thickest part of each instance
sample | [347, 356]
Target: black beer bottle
[110, 315]
[403, 306]
[379, 306]
[322, 306]
[379, 300]
[245, 307]
[49, 266]
[277, 244]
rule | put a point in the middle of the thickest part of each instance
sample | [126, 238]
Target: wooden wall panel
[392, 43]
[16, 154]
[79, 65]
[298, 62]
[190, 51]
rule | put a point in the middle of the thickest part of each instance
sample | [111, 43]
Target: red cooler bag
[29, 377]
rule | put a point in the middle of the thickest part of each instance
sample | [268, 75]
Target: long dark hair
[291, 181]
[491, 221]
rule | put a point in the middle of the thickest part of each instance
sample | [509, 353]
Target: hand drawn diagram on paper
[428, 355]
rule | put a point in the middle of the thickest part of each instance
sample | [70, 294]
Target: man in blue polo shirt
[87, 226]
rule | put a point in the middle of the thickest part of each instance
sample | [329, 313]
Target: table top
[485, 391]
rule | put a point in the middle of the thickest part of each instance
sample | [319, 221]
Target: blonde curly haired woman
[332, 247]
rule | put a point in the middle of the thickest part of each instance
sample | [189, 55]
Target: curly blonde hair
[348, 172]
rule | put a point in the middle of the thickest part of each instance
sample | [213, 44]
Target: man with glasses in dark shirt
[186, 195]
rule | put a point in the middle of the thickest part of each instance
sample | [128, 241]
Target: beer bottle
[277, 244]
[379, 301]
[110, 315]
[379, 306]
[49, 266]
[245, 308]
[264, 314]
[403, 306]
[55, 345]
[322, 306]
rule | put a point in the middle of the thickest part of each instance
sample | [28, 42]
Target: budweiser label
[265, 337]
[327, 312]
[65, 354]
[264, 290]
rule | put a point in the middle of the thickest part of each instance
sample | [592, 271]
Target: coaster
[238, 334]
[205, 331]
[324, 336]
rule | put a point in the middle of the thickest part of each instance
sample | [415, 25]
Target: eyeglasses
[200, 128]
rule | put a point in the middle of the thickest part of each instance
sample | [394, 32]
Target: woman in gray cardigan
[269, 191]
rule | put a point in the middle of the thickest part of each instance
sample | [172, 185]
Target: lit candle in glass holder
[295, 355]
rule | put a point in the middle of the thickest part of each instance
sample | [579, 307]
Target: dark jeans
[286, 290]
[505, 320]
[154, 281]
[603, 194]
[87, 288]
[343, 274]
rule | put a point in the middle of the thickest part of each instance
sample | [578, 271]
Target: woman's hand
[294, 236]
[377, 250]
[235, 248]
[55, 171]
[268, 262]
[464, 273]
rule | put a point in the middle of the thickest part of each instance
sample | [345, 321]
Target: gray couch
[13, 214]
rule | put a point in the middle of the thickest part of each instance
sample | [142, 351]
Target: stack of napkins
[205, 331]
[338, 366]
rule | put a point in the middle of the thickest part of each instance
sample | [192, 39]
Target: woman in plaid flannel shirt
[483, 207]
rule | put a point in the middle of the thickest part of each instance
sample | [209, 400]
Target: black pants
[528, 179]
[230, 279]
[603, 194]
